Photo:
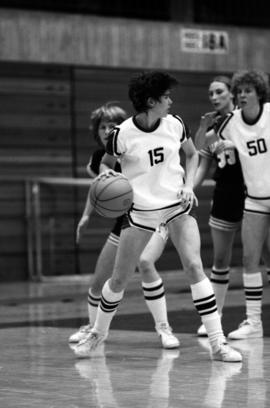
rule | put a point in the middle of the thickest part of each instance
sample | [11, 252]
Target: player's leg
[153, 288]
[266, 255]
[131, 244]
[254, 231]
[184, 233]
[222, 248]
[102, 272]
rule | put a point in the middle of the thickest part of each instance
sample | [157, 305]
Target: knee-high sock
[220, 282]
[205, 302]
[154, 296]
[253, 292]
[107, 308]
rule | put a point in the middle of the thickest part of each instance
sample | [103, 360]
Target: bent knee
[194, 267]
[144, 264]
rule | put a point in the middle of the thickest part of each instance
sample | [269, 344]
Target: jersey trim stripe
[114, 142]
[157, 209]
[223, 124]
[185, 133]
[135, 224]
[258, 198]
[256, 211]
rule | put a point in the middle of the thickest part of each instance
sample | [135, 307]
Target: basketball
[111, 195]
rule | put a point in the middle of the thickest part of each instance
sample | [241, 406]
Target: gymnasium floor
[39, 369]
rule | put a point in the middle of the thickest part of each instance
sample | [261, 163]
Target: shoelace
[244, 323]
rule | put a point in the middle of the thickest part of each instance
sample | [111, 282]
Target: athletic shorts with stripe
[227, 208]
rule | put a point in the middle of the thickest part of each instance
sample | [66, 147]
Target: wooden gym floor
[39, 369]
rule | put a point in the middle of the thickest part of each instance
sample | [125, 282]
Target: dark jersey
[96, 160]
[94, 165]
[228, 170]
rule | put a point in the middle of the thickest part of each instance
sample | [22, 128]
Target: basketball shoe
[80, 334]
[168, 340]
[247, 330]
[223, 352]
[88, 345]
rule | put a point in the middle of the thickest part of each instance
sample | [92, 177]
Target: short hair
[256, 78]
[223, 79]
[110, 112]
[151, 84]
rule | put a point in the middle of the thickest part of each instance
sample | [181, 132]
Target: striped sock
[154, 296]
[205, 303]
[107, 308]
[253, 287]
[93, 302]
[220, 282]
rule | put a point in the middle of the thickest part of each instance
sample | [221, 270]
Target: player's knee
[118, 283]
[194, 267]
[144, 264]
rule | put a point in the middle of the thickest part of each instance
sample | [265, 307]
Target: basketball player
[248, 128]
[148, 146]
[102, 121]
[226, 214]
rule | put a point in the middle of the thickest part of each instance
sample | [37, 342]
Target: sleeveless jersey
[252, 142]
[151, 160]
[95, 161]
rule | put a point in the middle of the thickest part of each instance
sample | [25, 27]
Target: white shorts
[257, 206]
[150, 220]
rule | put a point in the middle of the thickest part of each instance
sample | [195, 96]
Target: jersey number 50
[256, 147]
[156, 155]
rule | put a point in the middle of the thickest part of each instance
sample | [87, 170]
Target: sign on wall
[204, 41]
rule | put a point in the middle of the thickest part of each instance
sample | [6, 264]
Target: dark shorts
[116, 229]
[228, 204]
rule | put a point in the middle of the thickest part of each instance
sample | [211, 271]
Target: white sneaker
[225, 353]
[168, 340]
[80, 334]
[86, 346]
[247, 330]
[201, 332]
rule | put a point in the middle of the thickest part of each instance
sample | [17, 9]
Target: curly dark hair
[151, 84]
[110, 112]
[256, 78]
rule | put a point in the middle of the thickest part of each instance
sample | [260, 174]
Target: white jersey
[253, 144]
[151, 160]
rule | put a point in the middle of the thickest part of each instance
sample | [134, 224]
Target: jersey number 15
[156, 155]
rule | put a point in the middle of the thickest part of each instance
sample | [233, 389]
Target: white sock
[154, 296]
[205, 303]
[107, 308]
[220, 282]
[253, 286]
[92, 303]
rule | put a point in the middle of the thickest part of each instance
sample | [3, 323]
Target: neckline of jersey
[142, 128]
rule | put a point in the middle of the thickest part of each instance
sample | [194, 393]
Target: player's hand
[208, 119]
[223, 145]
[107, 173]
[82, 226]
[187, 195]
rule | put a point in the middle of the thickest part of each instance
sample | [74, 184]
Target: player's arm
[107, 163]
[202, 170]
[186, 193]
[203, 136]
[84, 221]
